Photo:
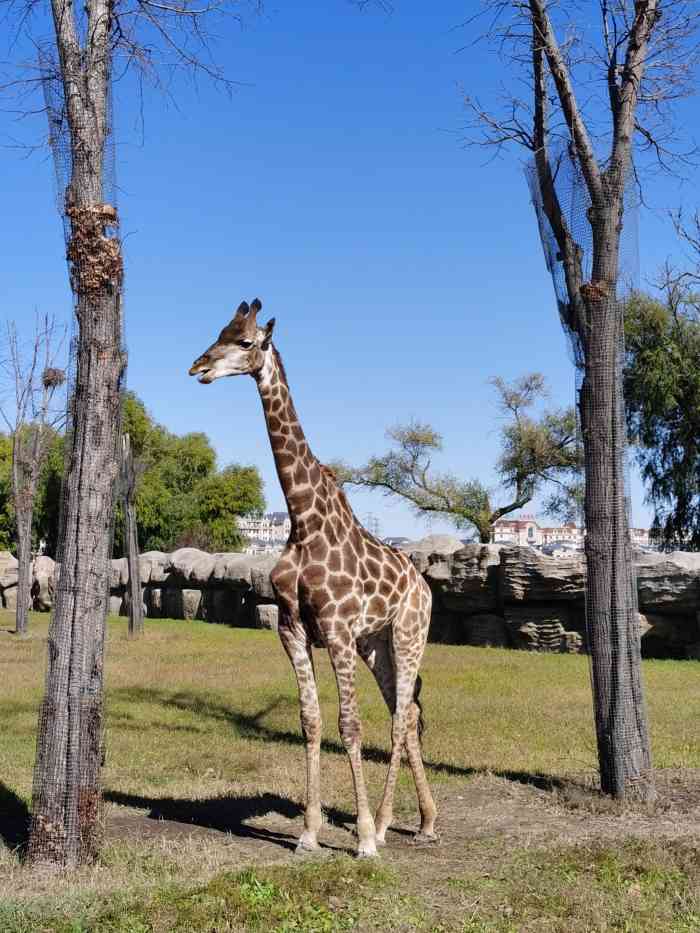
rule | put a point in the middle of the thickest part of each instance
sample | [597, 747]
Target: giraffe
[336, 585]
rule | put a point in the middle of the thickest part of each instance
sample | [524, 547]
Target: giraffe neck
[298, 470]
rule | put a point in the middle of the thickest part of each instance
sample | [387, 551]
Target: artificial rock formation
[483, 594]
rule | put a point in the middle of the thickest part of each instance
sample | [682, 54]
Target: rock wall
[483, 594]
[507, 596]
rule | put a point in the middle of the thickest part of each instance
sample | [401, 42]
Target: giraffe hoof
[425, 839]
[368, 850]
[305, 848]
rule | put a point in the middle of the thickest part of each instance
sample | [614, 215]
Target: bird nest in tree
[96, 258]
[53, 378]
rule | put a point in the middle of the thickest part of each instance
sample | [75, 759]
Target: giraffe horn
[255, 306]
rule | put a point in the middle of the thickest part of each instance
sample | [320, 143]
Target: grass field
[205, 774]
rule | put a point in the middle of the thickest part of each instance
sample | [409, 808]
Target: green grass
[312, 898]
[635, 887]
[203, 728]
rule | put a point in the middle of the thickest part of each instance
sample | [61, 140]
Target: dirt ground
[518, 813]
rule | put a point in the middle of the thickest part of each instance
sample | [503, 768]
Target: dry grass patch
[205, 774]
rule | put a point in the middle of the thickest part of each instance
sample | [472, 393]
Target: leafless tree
[94, 41]
[129, 480]
[591, 93]
[32, 417]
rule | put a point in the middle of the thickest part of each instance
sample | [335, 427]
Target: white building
[527, 530]
[523, 530]
[273, 528]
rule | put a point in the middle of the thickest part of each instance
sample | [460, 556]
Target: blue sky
[404, 269]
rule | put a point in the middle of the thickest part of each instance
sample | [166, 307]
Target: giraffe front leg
[344, 660]
[298, 650]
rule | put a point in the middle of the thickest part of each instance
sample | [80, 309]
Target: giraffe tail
[416, 700]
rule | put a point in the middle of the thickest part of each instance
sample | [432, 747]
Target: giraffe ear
[267, 337]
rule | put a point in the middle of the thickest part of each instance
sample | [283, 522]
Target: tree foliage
[181, 498]
[662, 393]
[536, 452]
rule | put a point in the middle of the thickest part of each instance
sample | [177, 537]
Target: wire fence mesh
[591, 310]
[67, 800]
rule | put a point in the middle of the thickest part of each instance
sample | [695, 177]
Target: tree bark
[595, 316]
[25, 477]
[24, 571]
[132, 541]
[65, 825]
[611, 608]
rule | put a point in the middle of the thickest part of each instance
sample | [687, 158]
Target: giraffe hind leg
[376, 651]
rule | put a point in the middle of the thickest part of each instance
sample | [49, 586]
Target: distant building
[273, 528]
[523, 530]
[526, 530]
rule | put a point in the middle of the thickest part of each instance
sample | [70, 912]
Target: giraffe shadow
[14, 819]
[227, 814]
[251, 726]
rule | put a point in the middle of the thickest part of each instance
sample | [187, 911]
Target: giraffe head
[240, 348]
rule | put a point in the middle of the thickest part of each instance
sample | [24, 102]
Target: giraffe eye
[245, 344]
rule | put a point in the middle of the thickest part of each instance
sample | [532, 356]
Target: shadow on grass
[226, 814]
[14, 819]
[251, 726]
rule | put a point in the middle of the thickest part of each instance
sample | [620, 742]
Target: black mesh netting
[592, 316]
[67, 799]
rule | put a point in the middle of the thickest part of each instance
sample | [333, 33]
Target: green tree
[220, 499]
[181, 499]
[536, 452]
[662, 394]
[7, 520]
[48, 504]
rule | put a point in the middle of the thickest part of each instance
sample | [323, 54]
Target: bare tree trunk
[25, 478]
[65, 826]
[611, 606]
[65, 819]
[132, 541]
[24, 571]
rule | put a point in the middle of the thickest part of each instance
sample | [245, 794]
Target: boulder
[487, 630]
[434, 551]
[669, 583]
[9, 598]
[8, 570]
[43, 571]
[153, 598]
[232, 570]
[191, 566]
[191, 603]
[261, 568]
[266, 616]
[152, 565]
[115, 605]
[120, 573]
[542, 628]
[472, 585]
[529, 576]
